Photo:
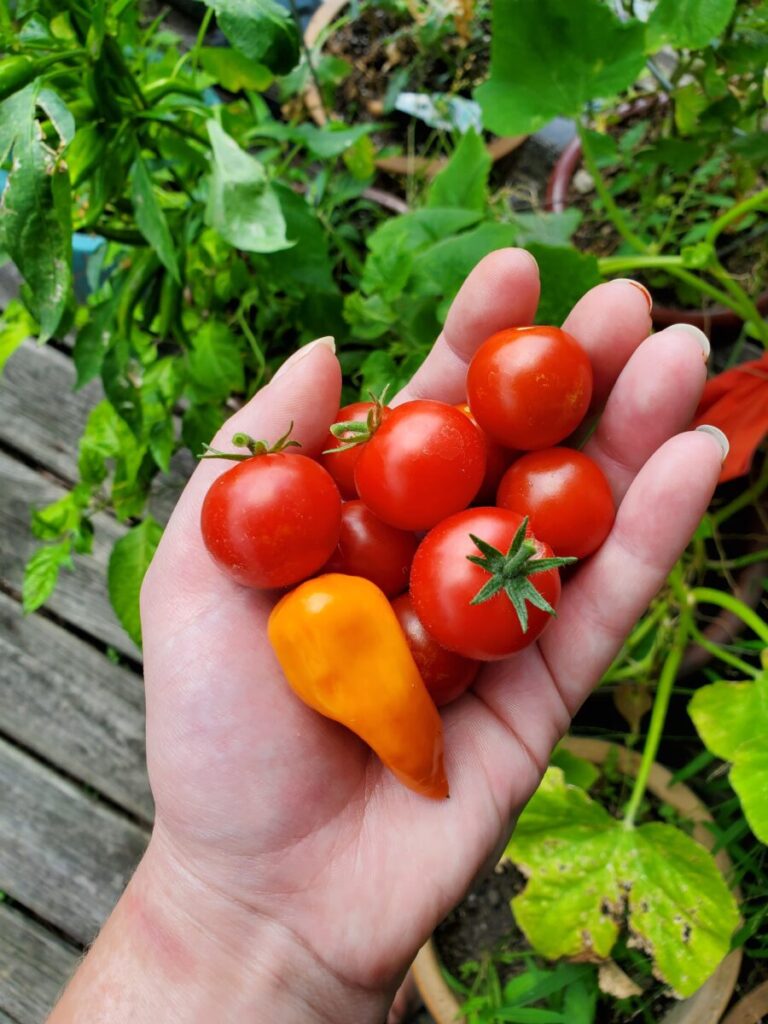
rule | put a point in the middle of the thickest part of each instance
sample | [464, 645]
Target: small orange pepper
[344, 654]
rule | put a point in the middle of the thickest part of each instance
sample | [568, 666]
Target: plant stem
[754, 202]
[740, 563]
[718, 652]
[661, 701]
[611, 207]
[307, 55]
[708, 595]
[747, 497]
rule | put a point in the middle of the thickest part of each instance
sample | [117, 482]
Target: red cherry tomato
[373, 549]
[425, 462]
[446, 675]
[529, 387]
[566, 497]
[341, 465]
[497, 458]
[444, 582]
[272, 520]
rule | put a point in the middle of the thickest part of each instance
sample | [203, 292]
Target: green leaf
[689, 103]
[360, 159]
[15, 326]
[413, 231]
[215, 362]
[463, 182]
[42, 572]
[35, 222]
[565, 276]
[199, 425]
[242, 206]
[107, 437]
[308, 265]
[550, 57]
[577, 771]
[547, 228]
[93, 341]
[263, 30]
[62, 516]
[369, 316]
[151, 218]
[334, 139]
[58, 113]
[233, 70]
[128, 563]
[587, 874]
[732, 721]
[687, 24]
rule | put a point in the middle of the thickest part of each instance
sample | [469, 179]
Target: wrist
[217, 959]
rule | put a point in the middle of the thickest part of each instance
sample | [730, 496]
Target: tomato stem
[361, 430]
[511, 573]
[241, 440]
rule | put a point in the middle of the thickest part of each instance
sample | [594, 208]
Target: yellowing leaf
[589, 877]
[732, 720]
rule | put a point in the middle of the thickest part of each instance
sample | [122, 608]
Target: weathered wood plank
[81, 596]
[40, 415]
[36, 390]
[67, 702]
[35, 965]
[5, 1019]
[62, 854]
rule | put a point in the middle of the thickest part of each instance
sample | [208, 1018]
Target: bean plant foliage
[227, 239]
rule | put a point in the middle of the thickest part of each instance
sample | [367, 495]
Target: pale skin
[289, 876]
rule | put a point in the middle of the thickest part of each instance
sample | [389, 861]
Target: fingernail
[640, 288]
[694, 332]
[719, 436]
[303, 352]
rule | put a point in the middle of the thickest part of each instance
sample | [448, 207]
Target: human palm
[289, 814]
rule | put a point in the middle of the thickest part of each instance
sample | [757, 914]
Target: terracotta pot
[705, 1006]
[711, 320]
[326, 13]
[752, 1009]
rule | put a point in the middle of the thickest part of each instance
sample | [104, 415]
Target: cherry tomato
[272, 520]
[341, 465]
[565, 495]
[446, 675]
[444, 582]
[497, 458]
[425, 462]
[529, 387]
[373, 549]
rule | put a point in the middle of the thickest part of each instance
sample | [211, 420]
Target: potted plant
[703, 1007]
[676, 160]
[412, 65]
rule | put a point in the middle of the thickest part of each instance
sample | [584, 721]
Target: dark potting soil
[377, 44]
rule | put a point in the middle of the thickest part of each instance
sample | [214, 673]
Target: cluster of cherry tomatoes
[461, 515]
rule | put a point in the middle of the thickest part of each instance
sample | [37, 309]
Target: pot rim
[707, 1004]
[325, 14]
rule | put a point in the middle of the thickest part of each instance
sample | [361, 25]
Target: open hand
[280, 829]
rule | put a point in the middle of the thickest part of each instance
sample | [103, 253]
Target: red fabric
[737, 402]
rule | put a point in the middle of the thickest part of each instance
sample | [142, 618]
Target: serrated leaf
[128, 564]
[108, 437]
[463, 182]
[550, 57]
[216, 362]
[151, 219]
[93, 341]
[732, 721]
[587, 874]
[547, 228]
[42, 572]
[261, 29]
[687, 24]
[242, 205]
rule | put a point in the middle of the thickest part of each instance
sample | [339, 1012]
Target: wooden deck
[75, 806]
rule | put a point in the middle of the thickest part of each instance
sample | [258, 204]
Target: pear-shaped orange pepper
[344, 654]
